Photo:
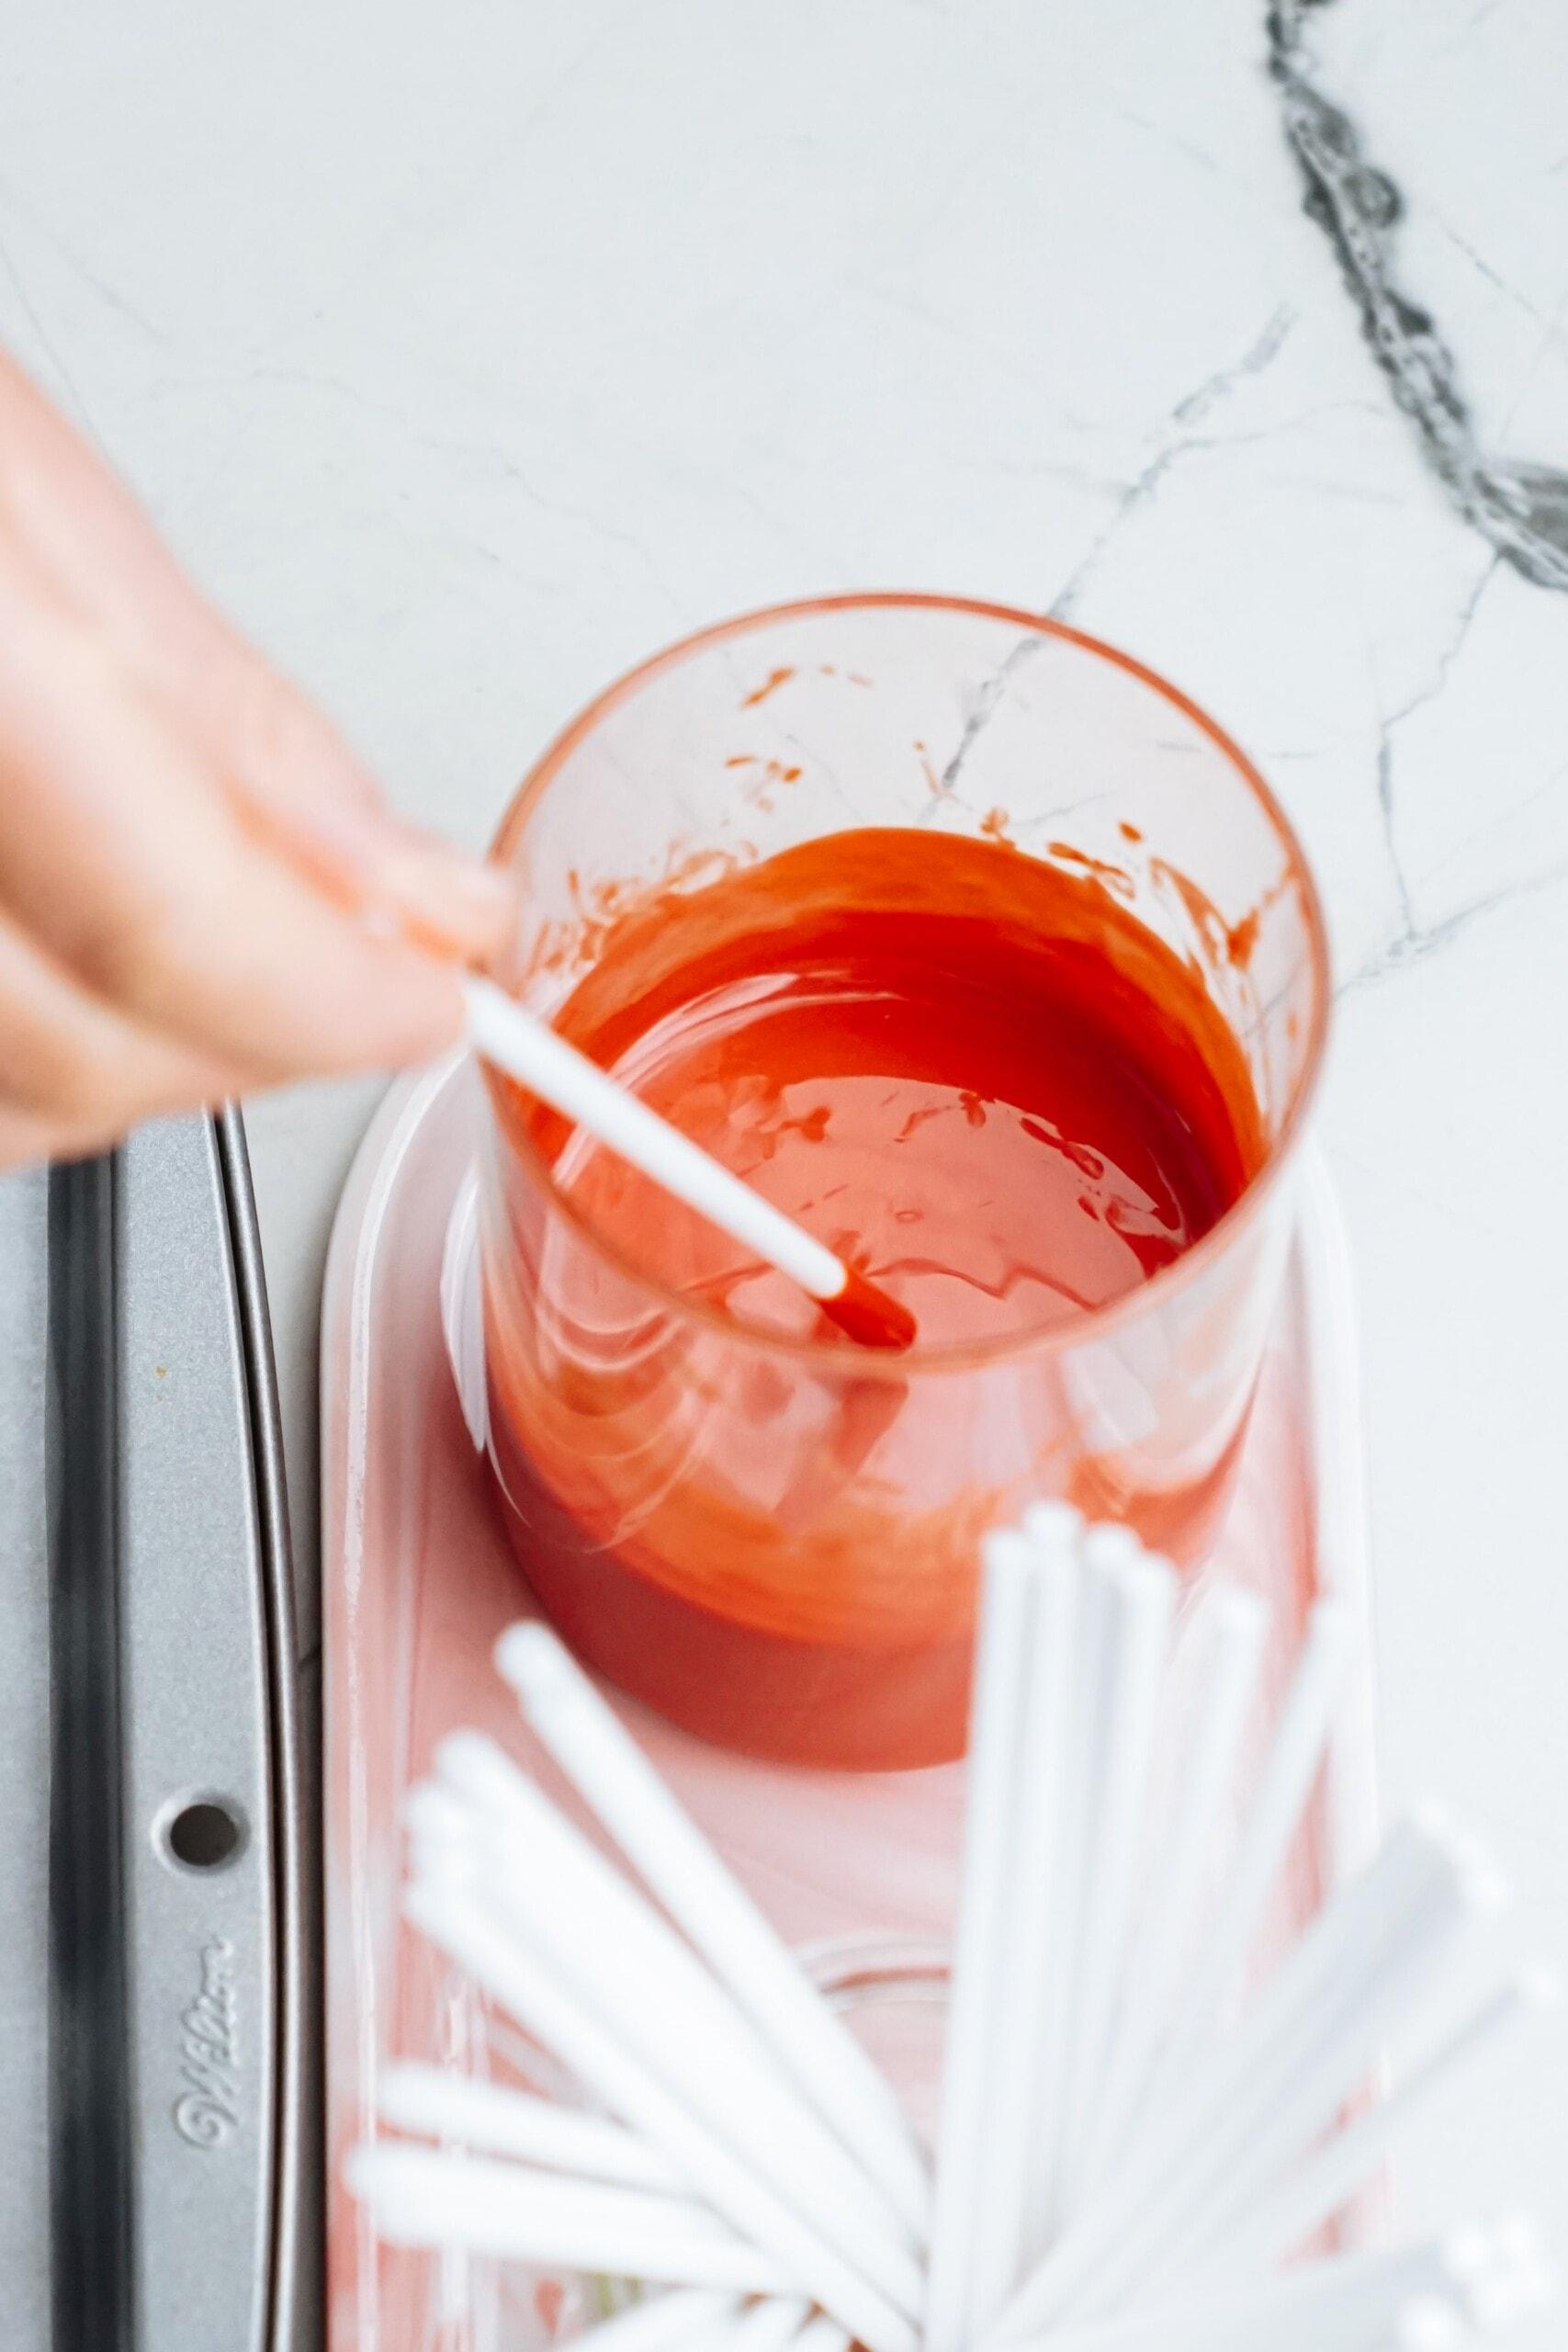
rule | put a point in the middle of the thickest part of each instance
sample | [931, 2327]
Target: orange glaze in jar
[982, 1081]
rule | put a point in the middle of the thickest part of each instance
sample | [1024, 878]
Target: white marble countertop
[469, 352]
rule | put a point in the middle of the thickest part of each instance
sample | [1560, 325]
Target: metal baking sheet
[145, 1583]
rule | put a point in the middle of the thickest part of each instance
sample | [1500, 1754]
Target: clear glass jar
[892, 1992]
[770, 1540]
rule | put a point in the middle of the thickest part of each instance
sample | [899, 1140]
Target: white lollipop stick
[764, 2327]
[1295, 1756]
[821, 2334]
[1018, 2050]
[517, 1041]
[1335, 1949]
[499, 2121]
[1042, 2209]
[1214, 1676]
[1001, 1649]
[1300, 2093]
[447, 1912]
[1277, 2216]
[1521, 2279]
[1141, 1593]
[669, 2323]
[1429, 2323]
[672, 1856]
[562, 1895]
[1341, 2303]
[424, 2197]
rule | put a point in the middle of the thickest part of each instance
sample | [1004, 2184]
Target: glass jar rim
[1096, 1323]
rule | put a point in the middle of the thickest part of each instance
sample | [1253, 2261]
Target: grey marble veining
[1521, 506]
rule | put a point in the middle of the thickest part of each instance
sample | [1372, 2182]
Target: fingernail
[402, 881]
[464, 904]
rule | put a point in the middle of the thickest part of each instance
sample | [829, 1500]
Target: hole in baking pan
[202, 1833]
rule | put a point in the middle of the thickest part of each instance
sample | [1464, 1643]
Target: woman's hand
[200, 891]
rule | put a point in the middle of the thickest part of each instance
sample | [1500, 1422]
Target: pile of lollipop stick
[1142, 2145]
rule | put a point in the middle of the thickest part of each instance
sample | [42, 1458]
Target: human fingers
[122, 856]
[71, 526]
[300, 787]
[74, 1074]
